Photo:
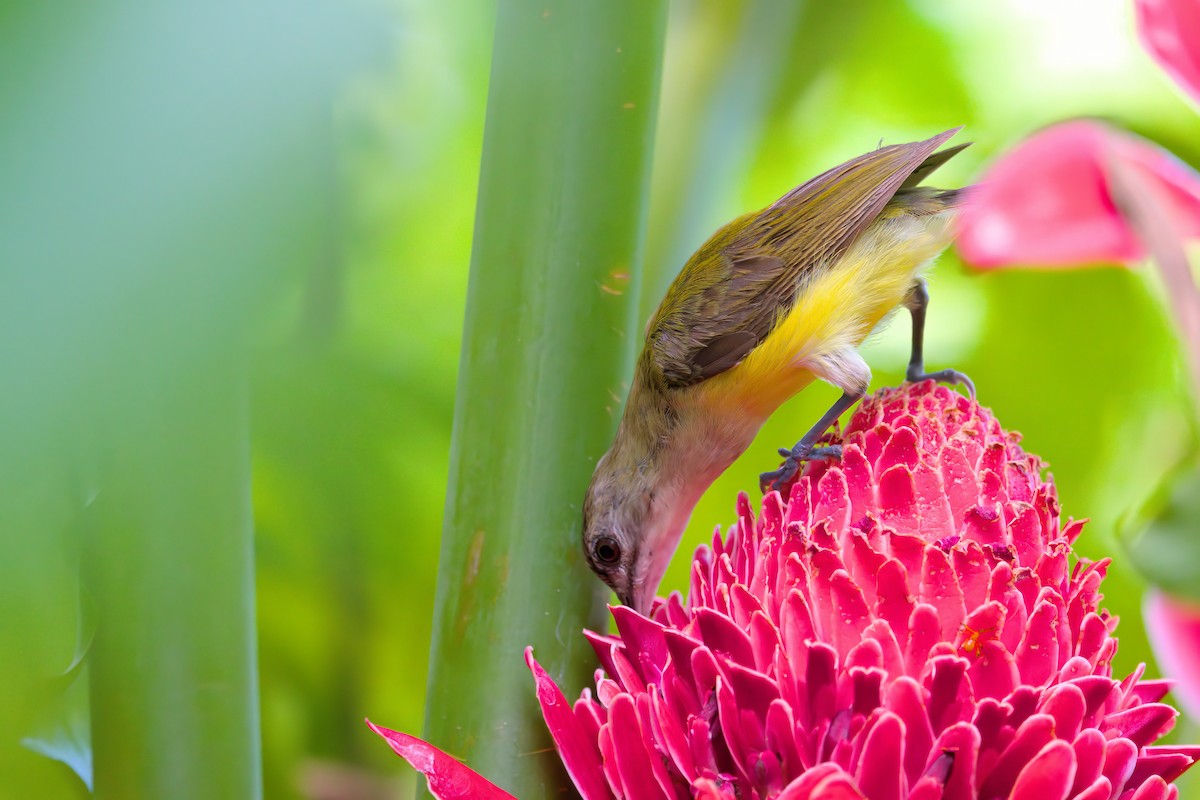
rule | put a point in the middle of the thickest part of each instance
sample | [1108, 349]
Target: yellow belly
[836, 310]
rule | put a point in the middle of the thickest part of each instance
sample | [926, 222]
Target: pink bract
[447, 777]
[909, 625]
[1173, 626]
[1170, 32]
[1052, 200]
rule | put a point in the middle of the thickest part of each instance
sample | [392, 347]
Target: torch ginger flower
[909, 625]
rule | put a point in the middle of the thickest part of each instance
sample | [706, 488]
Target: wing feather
[742, 281]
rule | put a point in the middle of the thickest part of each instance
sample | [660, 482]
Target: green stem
[550, 333]
[173, 669]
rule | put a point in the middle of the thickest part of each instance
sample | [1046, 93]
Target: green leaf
[1168, 551]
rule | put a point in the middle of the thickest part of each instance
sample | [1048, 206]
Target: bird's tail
[930, 164]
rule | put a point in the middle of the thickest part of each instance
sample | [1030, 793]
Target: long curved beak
[641, 598]
[627, 599]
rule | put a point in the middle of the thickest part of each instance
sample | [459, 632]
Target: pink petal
[723, 636]
[631, 751]
[1120, 758]
[822, 782]
[578, 750]
[603, 646]
[1045, 203]
[898, 498]
[448, 778]
[1174, 629]
[859, 487]
[894, 603]
[973, 573]
[708, 789]
[961, 741]
[950, 698]
[1067, 705]
[927, 789]
[1152, 691]
[1048, 201]
[939, 588]
[907, 701]
[1027, 535]
[821, 677]
[994, 673]
[1048, 776]
[781, 736]
[837, 787]
[1167, 766]
[1100, 789]
[1033, 735]
[1089, 757]
[1037, 654]
[670, 734]
[1142, 724]
[850, 614]
[742, 735]
[879, 769]
[643, 640]
[1154, 789]
[1170, 32]
[833, 500]
[924, 629]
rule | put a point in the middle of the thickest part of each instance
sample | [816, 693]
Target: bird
[773, 300]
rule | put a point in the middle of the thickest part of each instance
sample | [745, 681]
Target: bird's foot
[951, 376]
[778, 479]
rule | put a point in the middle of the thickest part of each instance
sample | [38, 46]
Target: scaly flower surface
[909, 625]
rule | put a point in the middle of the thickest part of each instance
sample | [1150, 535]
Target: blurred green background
[296, 181]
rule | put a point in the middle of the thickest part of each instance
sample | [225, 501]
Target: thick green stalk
[173, 668]
[550, 332]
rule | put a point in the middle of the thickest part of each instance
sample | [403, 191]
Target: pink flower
[1174, 629]
[910, 624]
[1054, 200]
[1081, 192]
[1170, 32]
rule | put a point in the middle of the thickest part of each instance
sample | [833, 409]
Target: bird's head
[615, 513]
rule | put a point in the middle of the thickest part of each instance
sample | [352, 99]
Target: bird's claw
[951, 376]
[792, 458]
[778, 478]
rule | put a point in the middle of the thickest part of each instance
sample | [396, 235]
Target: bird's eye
[606, 550]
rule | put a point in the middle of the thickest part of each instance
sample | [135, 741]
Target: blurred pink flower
[910, 624]
[1053, 200]
[1081, 192]
[1170, 32]
[1173, 626]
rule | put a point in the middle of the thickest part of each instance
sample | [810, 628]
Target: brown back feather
[746, 278]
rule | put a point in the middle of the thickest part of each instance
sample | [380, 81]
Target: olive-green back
[742, 281]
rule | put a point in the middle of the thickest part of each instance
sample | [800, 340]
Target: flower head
[909, 624]
[1173, 625]
[1170, 32]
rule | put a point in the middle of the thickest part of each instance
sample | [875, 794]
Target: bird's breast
[836, 307]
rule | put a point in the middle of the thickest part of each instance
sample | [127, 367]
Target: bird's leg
[806, 449]
[917, 302]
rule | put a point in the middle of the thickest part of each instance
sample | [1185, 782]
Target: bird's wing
[736, 288]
